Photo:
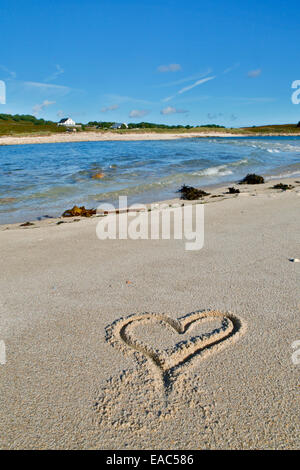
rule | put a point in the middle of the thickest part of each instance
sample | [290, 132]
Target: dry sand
[103, 136]
[208, 367]
[112, 136]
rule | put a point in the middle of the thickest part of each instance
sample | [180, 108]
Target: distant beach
[106, 136]
[130, 136]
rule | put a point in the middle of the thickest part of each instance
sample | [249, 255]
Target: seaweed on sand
[26, 224]
[252, 178]
[190, 193]
[233, 190]
[79, 211]
[282, 186]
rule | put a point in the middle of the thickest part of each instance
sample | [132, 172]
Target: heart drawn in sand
[123, 334]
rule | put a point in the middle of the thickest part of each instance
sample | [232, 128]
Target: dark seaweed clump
[282, 186]
[252, 179]
[26, 224]
[190, 193]
[233, 190]
[79, 211]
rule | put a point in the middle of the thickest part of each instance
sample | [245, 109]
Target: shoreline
[110, 136]
[217, 193]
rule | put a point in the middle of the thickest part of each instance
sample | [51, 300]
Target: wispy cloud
[254, 73]
[60, 114]
[247, 100]
[46, 86]
[172, 110]
[39, 107]
[169, 68]
[261, 99]
[113, 107]
[10, 73]
[138, 113]
[212, 116]
[189, 87]
[230, 69]
[55, 74]
[186, 79]
[198, 82]
[113, 97]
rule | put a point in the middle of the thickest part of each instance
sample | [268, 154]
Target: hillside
[276, 128]
[27, 124]
[21, 125]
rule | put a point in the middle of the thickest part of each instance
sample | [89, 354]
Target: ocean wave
[284, 175]
[220, 170]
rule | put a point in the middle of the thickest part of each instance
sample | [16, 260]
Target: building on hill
[68, 122]
[119, 125]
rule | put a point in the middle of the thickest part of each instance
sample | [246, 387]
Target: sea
[43, 180]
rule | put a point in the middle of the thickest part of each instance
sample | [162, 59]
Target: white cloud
[254, 73]
[60, 114]
[169, 68]
[55, 74]
[190, 87]
[39, 107]
[109, 108]
[171, 110]
[138, 113]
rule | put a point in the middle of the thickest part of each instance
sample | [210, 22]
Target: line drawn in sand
[169, 363]
[160, 395]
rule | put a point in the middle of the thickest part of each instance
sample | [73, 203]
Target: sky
[166, 61]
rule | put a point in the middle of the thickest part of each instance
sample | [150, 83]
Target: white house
[68, 122]
[118, 125]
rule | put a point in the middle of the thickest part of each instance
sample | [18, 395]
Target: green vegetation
[26, 124]
[149, 125]
[99, 124]
[272, 129]
[23, 124]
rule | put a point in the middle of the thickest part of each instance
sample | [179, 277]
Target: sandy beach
[104, 136]
[112, 136]
[87, 367]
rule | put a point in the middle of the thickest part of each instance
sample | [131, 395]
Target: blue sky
[230, 63]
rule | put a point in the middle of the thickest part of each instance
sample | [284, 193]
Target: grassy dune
[29, 125]
[22, 128]
[270, 129]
